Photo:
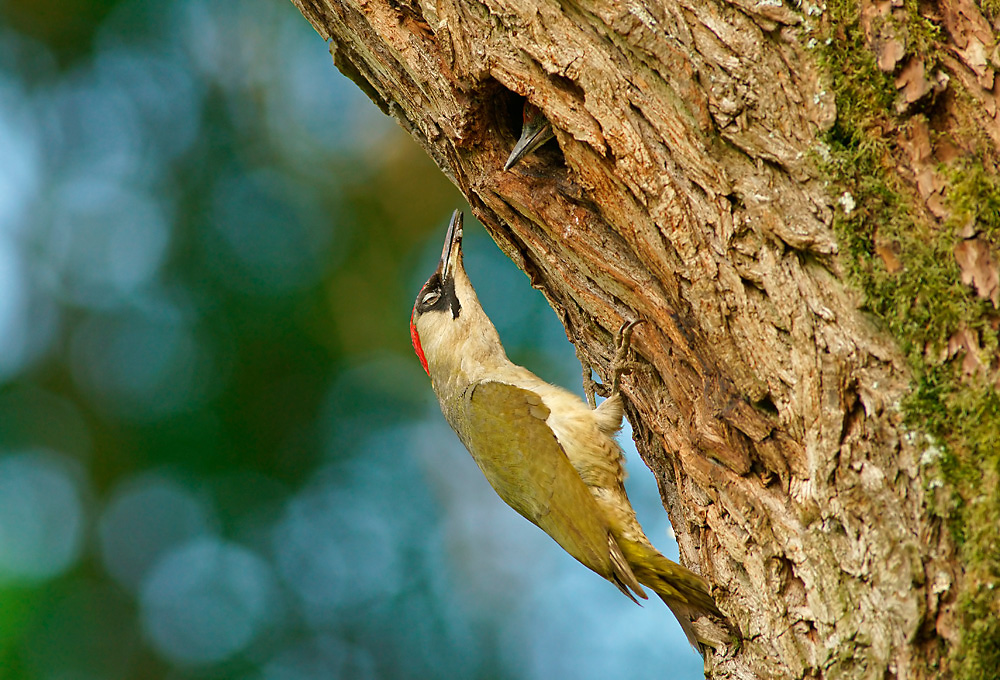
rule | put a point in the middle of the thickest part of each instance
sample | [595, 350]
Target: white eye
[430, 298]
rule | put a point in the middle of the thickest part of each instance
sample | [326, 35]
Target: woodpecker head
[451, 333]
[535, 131]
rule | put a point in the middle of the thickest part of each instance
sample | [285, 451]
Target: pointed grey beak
[452, 244]
[534, 133]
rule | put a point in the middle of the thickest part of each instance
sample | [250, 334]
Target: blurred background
[219, 457]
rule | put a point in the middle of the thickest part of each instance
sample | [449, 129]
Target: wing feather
[504, 428]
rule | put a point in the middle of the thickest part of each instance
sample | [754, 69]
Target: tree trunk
[711, 179]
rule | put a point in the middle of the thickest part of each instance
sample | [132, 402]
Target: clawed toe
[623, 364]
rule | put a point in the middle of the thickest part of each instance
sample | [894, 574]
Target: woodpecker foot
[623, 362]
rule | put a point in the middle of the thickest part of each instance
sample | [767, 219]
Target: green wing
[504, 428]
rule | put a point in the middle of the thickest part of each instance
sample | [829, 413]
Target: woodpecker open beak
[452, 245]
[535, 131]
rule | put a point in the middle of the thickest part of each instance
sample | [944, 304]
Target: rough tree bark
[687, 190]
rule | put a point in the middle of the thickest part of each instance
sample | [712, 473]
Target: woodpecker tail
[700, 631]
[681, 589]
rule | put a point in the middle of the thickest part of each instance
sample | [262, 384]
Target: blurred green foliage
[218, 457]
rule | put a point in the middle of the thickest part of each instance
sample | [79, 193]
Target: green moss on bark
[923, 303]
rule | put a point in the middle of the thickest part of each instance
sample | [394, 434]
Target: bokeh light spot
[41, 517]
[105, 241]
[336, 551]
[145, 518]
[26, 323]
[142, 366]
[164, 96]
[206, 600]
[19, 148]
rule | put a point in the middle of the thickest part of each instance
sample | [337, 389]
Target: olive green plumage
[504, 429]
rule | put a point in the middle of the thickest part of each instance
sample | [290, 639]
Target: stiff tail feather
[686, 616]
[622, 575]
[682, 590]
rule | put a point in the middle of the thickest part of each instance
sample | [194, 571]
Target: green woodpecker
[535, 131]
[543, 449]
